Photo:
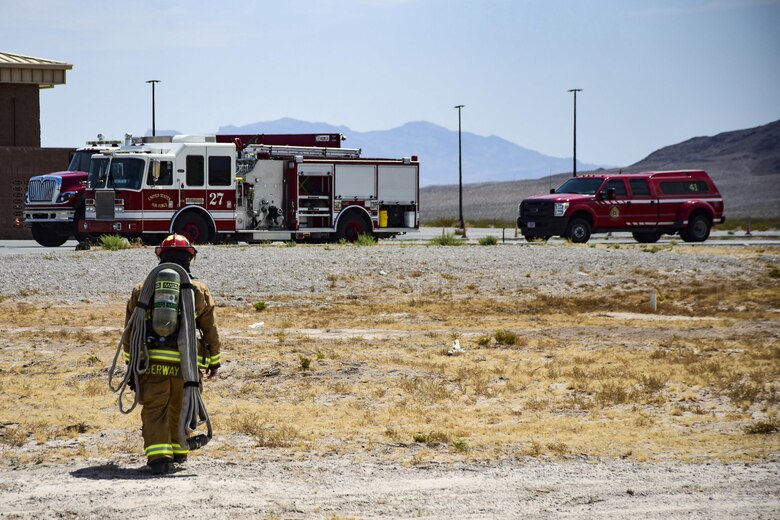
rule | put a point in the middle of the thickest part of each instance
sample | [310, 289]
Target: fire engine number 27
[212, 191]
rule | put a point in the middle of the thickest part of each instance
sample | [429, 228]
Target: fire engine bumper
[112, 226]
[543, 227]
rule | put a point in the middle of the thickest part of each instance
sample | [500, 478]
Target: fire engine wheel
[47, 236]
[351, 227]
[646, 237]
[194, 227]
[698, 229]
[578, 231]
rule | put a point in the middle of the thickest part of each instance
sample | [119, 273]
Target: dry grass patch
[540, 375]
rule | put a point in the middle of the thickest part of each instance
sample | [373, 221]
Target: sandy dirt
[344, 488]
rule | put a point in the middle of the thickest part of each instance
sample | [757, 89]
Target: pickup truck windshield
[116, 172]
[580, 186]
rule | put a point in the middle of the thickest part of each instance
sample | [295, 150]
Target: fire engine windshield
[580, 186]
[121, 173]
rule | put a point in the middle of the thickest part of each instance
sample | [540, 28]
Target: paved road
[507, 235]
[504, 236]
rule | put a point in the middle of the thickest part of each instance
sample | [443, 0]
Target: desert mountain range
[498, 174]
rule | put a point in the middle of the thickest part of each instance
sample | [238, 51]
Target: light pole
[153, 81]
[574, 160]
[460, 176]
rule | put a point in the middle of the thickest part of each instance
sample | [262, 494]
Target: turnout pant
[161, 397]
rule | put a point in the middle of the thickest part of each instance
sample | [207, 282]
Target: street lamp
[153, 81]
[460, 176]
[574, 160]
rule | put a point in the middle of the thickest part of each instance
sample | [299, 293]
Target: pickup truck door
[611, 212]
[642, 210]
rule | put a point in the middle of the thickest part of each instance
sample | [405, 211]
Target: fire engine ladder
[312, 152]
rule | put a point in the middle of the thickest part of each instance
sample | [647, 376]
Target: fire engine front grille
[41, 190]
[104, 204]
[532, 209]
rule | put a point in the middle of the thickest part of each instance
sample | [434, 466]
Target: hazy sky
[653, 72]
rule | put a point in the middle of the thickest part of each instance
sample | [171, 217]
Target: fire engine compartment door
[355, 181]
[397, 184]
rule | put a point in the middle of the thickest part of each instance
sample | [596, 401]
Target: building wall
[20, 115]
[17, 165]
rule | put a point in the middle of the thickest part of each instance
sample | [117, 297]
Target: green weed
[114, 242]
[446, 239]
[365, 240]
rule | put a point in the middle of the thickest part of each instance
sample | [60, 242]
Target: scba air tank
[165, 312]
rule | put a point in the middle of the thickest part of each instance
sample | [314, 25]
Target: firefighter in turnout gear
[161, 385]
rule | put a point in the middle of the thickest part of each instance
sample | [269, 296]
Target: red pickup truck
[647, 204]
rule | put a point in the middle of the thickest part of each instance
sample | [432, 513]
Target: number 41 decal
[215, 199]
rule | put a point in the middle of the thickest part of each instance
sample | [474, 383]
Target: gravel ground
[243, 274]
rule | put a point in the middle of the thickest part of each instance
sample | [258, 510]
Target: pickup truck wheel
[646, 237]
[698, 229]
[578, 231]
[47, 236]
[193, 227]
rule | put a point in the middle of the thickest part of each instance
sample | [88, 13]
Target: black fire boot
[161, 466]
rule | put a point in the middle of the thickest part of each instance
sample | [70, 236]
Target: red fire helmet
[176, 242]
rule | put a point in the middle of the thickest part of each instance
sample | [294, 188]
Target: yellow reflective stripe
[165, 355]
[206, 361]
[158, 449]
[178, 450]
[160, 355]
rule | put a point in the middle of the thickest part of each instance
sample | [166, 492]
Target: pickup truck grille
[41, 190]
[534, 209]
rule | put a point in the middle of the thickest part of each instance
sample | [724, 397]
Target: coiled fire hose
[193, 409]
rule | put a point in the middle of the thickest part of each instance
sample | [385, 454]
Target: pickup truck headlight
[66, 196]
[560, 208]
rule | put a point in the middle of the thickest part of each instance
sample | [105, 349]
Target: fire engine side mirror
[552, 190]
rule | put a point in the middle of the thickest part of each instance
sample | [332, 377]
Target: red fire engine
[212, 191]
[54, 202]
